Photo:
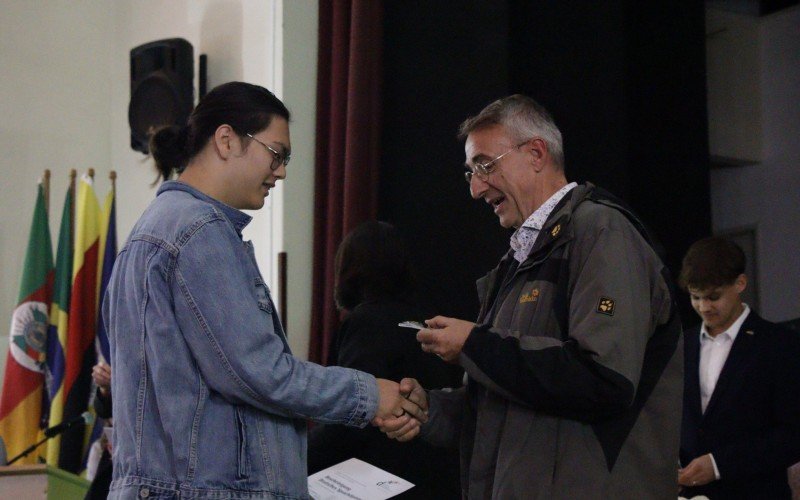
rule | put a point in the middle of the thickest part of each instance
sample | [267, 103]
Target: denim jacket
[208, 400]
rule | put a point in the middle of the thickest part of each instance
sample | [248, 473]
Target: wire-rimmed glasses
[277, 158]
[482, 170]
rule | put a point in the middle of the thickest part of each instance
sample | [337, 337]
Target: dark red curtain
[347, 148]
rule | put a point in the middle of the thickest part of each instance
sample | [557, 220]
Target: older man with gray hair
[574, 371]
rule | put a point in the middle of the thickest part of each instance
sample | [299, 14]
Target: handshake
[402, 408]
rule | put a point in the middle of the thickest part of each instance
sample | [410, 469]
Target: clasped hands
[407, 409]
[444, 337]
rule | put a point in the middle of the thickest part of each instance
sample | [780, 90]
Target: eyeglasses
[277, 158]
[482, 170]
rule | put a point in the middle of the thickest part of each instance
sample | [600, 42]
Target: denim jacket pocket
[263, 296]
[243, 469]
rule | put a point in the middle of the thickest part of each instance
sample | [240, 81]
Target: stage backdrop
[625, 82]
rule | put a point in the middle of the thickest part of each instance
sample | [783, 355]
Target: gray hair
[523, 118]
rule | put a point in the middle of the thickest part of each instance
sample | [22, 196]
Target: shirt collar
[732, 331]
[525, 236]
[538, 217]
[238, 218]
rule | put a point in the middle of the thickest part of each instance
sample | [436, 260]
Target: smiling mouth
[495, 203]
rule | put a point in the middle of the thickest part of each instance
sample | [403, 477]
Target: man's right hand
[101, 374]
[392, 403]
[405, 428]
[699, 472]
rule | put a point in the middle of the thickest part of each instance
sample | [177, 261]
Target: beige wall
[55, 102]
[300, 19]
[766, 196]
[63, 104]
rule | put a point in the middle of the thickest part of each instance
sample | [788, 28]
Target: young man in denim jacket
[208, 400]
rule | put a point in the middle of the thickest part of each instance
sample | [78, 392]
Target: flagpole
[46, 188]
[91, 173]
[72, 175]
[113, 176]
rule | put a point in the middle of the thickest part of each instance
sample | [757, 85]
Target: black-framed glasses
[482, 170]
[277, 158]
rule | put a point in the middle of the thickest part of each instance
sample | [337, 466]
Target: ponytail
[168, 148]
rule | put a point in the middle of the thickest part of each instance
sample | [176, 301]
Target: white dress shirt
[713, 354]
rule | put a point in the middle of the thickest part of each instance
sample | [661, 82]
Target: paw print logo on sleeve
[606, 306]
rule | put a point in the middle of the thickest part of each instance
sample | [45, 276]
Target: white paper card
[355, 479]
[416, 325]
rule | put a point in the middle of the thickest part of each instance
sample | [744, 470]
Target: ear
[537, 149]
[741, 283]
[223, 139]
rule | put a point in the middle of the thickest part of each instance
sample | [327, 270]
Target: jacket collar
[524, 238]
[238, 218]
[557, 229]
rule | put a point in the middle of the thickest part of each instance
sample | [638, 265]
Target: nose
[703, 305]
[477, 187]
[280, 172]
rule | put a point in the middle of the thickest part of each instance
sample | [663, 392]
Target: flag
[80, 354]
[57, 332]
[108, 242]
[21, 400]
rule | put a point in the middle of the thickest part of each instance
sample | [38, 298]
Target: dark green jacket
[575, 372]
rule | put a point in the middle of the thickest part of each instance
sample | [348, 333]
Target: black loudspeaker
[162, 88]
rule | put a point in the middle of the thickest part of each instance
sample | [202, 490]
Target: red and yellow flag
[80, 353]
[21, 401]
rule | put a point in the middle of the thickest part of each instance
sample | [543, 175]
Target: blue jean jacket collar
[238, 218]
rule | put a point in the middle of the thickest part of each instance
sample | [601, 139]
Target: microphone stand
[28, 450]
[84, 418]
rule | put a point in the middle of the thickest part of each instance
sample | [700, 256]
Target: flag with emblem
[80, 353]
[57, 332]
[21, 400]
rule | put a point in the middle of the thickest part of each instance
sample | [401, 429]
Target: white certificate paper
[355, 480]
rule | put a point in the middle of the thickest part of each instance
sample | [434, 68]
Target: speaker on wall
[162, 88]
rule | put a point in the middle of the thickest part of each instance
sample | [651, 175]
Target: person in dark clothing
[98, 490]
[741, 413]
[374, 289]
[574, 367]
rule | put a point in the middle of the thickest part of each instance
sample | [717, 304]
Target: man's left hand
[700, 471]
[445, 337]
